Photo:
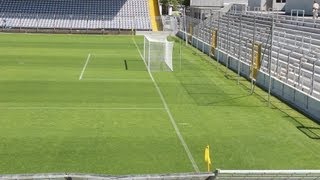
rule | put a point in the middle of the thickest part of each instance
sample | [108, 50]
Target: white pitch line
[80, 108]
[173, 122]
[85, 66]
[106, 79]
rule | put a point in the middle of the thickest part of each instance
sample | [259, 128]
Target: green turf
[113, 121]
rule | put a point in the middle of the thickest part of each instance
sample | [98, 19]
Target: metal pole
[210, 24]
[252, 52]
[144, 49]
[288, 66]
[313, 75]
[149, 59]
[185, 26]
[270, 60]
[218, 41]
[277, 66]
[180, 54]
[228, 45]
[239, 53]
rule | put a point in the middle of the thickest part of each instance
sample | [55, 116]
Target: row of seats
[82, 14]
[87, 7]
[295, 49]
[81, 23]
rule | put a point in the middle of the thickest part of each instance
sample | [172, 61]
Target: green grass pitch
[113, 120]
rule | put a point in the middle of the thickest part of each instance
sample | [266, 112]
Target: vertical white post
[239, 53]
[144, 50]
[170, 9]
[185, 26]
[270, 60]
[218, 40]
[252, 54]
[180, 54]
[149, 58]
[160, 8]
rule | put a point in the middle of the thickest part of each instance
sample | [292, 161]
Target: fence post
[239, 53]
[313, 75]
[270, 60]
[185, 26]
[252, 53]
[218, 33]
[228, 45]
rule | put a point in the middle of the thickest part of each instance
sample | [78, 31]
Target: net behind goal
[158, 53]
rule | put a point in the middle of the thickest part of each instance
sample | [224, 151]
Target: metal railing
[216, 174]
[256, 28]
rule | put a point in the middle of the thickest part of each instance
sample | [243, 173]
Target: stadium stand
[76, 14]
[295, 47]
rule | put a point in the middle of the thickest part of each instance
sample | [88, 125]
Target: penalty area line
[106, 79]
[79, 108]
[173, 122]
[85, 66]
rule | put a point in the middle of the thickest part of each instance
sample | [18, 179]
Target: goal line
[78, 108]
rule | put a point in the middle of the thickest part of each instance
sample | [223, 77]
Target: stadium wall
[236, 1]
[255, 4]
[286, 93]
[265, 5]
[206, 3]
[305, 5]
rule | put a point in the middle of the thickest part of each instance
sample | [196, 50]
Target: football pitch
[68, 103]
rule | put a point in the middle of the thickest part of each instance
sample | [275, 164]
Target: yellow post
[214, 41]
[207, 157]
[256, 60]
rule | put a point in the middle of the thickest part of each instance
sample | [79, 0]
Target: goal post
[158, 53]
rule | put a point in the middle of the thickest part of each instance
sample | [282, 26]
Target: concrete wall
[286, 93]
[279, 6]
[300, 4]
[205, 3]
[236, 1]
[255, 3]
[265, 5]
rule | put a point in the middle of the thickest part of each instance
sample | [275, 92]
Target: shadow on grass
[311, 132]
[208, 94]
[235, 78]
[211, 96]
[301, 122]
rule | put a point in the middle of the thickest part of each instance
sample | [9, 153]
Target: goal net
[158, 53]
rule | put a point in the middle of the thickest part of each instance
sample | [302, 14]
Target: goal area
[158, 53]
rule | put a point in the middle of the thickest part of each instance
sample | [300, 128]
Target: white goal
[158, 53]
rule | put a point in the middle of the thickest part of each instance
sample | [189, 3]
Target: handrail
[313, 75]
[288, 64]
[297, 13]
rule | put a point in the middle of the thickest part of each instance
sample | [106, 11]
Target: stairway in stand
[154, 15]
